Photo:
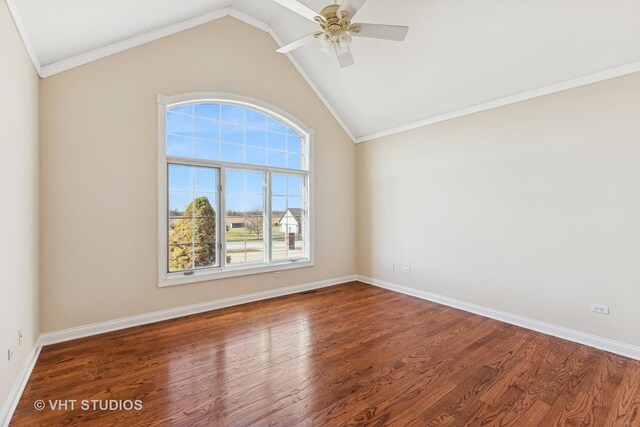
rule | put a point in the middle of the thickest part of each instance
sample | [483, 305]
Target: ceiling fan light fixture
[344, 39]
[341, 50]
[326, 42]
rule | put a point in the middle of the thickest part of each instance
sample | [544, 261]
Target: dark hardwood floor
[351, 354]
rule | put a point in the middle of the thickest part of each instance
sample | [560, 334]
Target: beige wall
[19, 203]
[99, 172]
[531, 208]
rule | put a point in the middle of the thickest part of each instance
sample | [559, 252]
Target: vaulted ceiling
[460, 56]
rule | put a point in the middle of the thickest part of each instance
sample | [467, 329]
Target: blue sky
[232, 133]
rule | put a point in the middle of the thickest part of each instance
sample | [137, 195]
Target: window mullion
[267, 216]
[193, 195]
[223, 218]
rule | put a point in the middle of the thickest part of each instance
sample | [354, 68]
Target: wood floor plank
[351, 354]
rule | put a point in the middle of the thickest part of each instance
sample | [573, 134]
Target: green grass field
[242, 234]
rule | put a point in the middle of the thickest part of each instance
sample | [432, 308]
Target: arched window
[234, 188]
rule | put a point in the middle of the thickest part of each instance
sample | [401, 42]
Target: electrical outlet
[392, 266]
[20, 336]
[10, 353]
[599, 308]
[406, 269]
[277, 273]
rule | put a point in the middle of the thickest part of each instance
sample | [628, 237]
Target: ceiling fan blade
[299, 43]
[345, 59]
[351, 7]
[379, 31]
[299, 8]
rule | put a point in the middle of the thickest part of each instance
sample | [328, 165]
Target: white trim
[600, 343]
[105, 51]
[22, 32]
[48, 338]
[57, 67]
[15, 393]
[608, 74]
[210, 274]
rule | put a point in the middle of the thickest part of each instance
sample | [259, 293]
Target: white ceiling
[460, 56]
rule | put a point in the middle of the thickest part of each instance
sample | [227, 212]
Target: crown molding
[112, 49]
[588, 79]
[57, 67]
[22, 32]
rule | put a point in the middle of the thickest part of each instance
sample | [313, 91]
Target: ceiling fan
[337, 29]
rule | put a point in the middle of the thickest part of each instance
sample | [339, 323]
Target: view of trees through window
[264, 218]
[192, 217]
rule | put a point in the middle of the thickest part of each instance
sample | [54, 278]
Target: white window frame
[200, 275]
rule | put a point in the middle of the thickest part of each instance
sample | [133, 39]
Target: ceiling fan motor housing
[332, 23]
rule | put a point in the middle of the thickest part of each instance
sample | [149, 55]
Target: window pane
[232, 153]
[179, 146]
[205, 180]
[287, 217]
[294, 161]
[235, 182]
[233, 114]
[232, 133]
[277, 159]
[276, 141]
[256, 156]
[203, 254]
[212, 197]
[192, 217]
[294, 144]
[179, 124]
[245, 222]
[294, 185]
[256, 138]
[274, 125]
[209, 111]
[207, 129]
[180, 178]
[278, 185]
[278, 206]
[294, 202]
[254, 182]
[178, 203]
[208, 150]
[255, 119]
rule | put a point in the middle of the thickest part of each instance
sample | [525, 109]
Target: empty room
[320, 213]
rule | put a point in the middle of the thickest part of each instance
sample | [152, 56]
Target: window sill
[174, 279]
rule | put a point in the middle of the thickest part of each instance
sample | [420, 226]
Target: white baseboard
[172, 313]
[113, 325]
[18, 387]
[128, 322]
[600, 343]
